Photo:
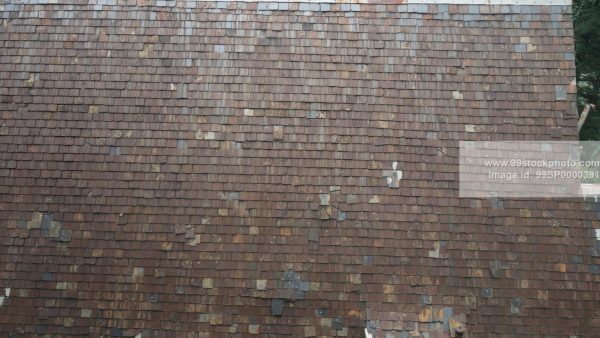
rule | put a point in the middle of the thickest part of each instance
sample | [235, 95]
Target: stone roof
[229, 169]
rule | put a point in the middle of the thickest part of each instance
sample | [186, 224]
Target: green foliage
[586, 17]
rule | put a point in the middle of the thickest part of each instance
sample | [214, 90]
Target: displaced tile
[182, 144]
[495, 269]
[310, 331]
[561, 92]
[469, 128]
[31, 80]
[114, 151]
[276, 307]
[435, 253]
[425, 316]
[313, 235]
[36, 221]
[145, 52]
[202, 135]
[152, 297]
[216, 319]
[324, 199]
[64, 235]
[278, 133]
[207, 283]
[515, 306]
[254, 329]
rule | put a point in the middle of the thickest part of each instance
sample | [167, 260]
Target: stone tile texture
[222, 169]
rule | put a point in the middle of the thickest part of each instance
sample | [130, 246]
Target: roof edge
[374, 2]
[400, 2]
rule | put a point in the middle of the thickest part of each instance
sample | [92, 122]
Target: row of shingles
[274, 8]
[473, 9]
